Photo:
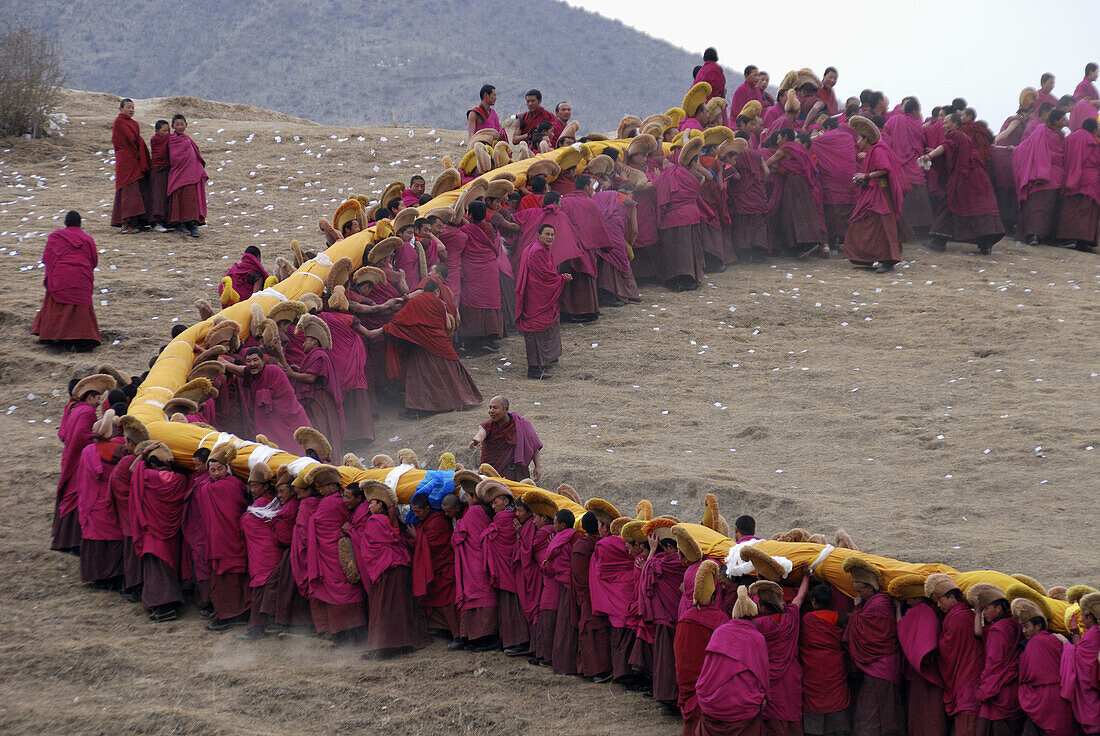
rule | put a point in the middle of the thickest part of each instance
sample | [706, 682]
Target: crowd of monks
[741, 645]
[744, 644]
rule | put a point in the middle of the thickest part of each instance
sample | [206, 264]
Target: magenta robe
[319, 362]
[918, 633]
[744, 93]
[243, 275]
[780, 632]
[835, 153]
[98, 519]
[1080, 672]
[472, 586]
[748, 195]
[1085, 90]
[960, 660]
[70, 258]
[567, 246]
[967, 184]
[187, 167]
[611, 580]
[1041, 684]
[1038, 162]
[327, 581]
[407, 258]
[349, 354]
[499, 544]
[872, 638]
[75, 432]
[733, 683]
[273, 408]
[222, 503]
[455, 241]
[679, 199]
[555, 564]
[538, 287]
[551, 588]
[299, 544]
[659, 589]
[588, 224]
[529, 545]
[480, 269]
[687, 585]
[261, 544]
[999, 680]
[157, 502]
[378, 546]
[872, 198]
[904, 134]
[1082, 163]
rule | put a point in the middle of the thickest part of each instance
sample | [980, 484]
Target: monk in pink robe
[248, 275]
[433, 569]
[1041, 684]
[299, 544]
[680, 215]
[120, 497]
[508, 442]
[556, 566]
[779, 624]
[659, 605]
[872, 638]
[1079, 213]
[499, 543]
[733, 681]
[157, 502]
[873, 234]
[484, 116]
[394, 622]
[455, 241]
[336, 602]
[528, 575]
[693, 633]
[475, 598]
[223, 499]
[100, 533]
[581, 297]
[960, 662]
[538, 288]
[797, 214]
[904, 134]
[186, 180]
[1080, 669]
[264, 555]
[479, 303]
[352, 365]
[549, 592]
[999, 681]
[1086, 91]
[746, 91]
[593, 628]
[1039, 166]
[821, 653]
[711, 73]
[67, 314]
[268, 400]
[131, 171]
[918, 633]
[835, 154]
[75, 432]
[614, 275]
[612, 579]
[747, 200]
[322, 398]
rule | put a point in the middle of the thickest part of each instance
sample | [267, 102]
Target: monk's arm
[439, 247]
[934, 153]
[471, 125]
[369, 334]
[536, 472]
[479, 437]
[298, 376]
[230, 366]
[775, 159]
[1006, 132]
[803, 587]
[876, 174]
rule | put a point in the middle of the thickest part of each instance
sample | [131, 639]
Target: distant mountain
[351, 62]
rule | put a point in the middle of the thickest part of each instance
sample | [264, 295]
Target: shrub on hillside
[31, 75]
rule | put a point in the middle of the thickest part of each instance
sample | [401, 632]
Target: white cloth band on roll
[322, 259]
[301, 464]
[395, 475]
[734, 564]
[260, 454]
[309, 273]
[825, 552]
[273, 293]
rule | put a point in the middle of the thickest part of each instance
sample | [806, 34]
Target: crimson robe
[872, 637]
[131, 153]
[433, 562]
[472, 586]
[822, 656]
[1040, 685]
[157, 501]
[273, 408]
[733, 682]
[1080, 672]
[960, 660]
[780, 632]
[693, 633]
[999, 681]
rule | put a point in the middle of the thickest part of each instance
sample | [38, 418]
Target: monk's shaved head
[501, 400]
[450, 501]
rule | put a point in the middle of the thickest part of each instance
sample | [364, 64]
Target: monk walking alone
[67, 315]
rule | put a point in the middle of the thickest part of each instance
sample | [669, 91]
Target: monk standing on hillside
[186, 181]
[484, 116]
[67, 314]
[131, 164]
[508, 442]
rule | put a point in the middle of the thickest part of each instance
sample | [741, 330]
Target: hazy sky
[983, 51]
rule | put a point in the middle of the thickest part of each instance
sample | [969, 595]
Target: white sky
[936, 49]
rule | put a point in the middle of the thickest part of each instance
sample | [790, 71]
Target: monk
[873, 234]
[612, 580]
[186, 181]
[131, 171]
[538, 288]
[394, 622]
[508, 442]
[872, 638]
[268, 400]
[134, 433]
[100, 534]
[223, 500]
[658, 605]
[959, 654]
[262, 548]
[998, 683]
[1039, 165]
[1081, 668]
[748, 90]
[733, 681]
[1086, 89]
[1040, 681]
[160, 165]
[918, 633]
[711, 73]
[549, 590]
[693, 632]
[747, 197]
[433, 567]
[248, 275]
[556, 566]
[335, 601]
[528, 577]
[904, 134]
[67, 316]
[479, 304]
[352, 366]
[971, 201]
[410, 196]
[526, 122]
[797, 216]
[593, 628]
[316, 383]
[835, 154]
[75, 432]
[499, 542]
[680, 214]
[156, 501]
[1046, 87]
[475, 599]
[308, 500]
[1079, 213]
[821, 652]
[287, 607]
[779, 622]
[484, 116]
[419, 350]
[827, 91]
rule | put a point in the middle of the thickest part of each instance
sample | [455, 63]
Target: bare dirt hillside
[947, 412]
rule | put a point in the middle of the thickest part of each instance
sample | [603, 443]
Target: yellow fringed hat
[605, 511]
[310, 439]
[686, 543]
[744, 607]
[632, 532]
[628, 127]
[540, 502]
[717, 135]
[766, 566]
[862, 571]
[751, 110]
[674, 115]
[1021, 591]
[661, 528]
[350, 210]
[695, 98]
[450, 179]
[392, 192]
[706, 583]
[904, 587]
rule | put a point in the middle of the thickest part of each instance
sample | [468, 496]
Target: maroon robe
[272, 407]
[67, 313]
[75, 432]
[323, 400]
[222, 502]
[157, 502]
[960, 659]
[131, 164]
[433, 571]
[593, 628]
[999, 681]
[1040, 685]
[780, 631]
[693, 632]
[475, 598]
[918, 632]
[823, 659]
